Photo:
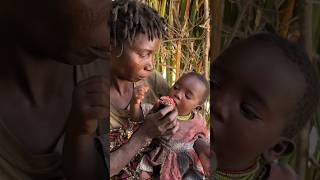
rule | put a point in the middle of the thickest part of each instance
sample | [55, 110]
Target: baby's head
[264, 90]
[189, 92]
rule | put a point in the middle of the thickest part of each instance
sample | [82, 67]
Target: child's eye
[248, 112]
[188, 96]
[175, 87]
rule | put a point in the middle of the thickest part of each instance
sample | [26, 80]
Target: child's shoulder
[280, 171]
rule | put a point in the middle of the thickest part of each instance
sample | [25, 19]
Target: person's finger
[173, 130]
[171, 125]
[161, 113]
[170, 117]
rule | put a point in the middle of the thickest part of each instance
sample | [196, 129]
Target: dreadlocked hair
[130, 17]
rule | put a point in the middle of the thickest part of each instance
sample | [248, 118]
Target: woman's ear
[198, 108]
[284, 147]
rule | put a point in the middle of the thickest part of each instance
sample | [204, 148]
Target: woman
[135, 37]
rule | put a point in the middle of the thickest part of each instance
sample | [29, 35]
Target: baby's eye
[248, 112]
[188, 96]
[175, 87]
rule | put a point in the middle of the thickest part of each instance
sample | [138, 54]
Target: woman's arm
[158, 124]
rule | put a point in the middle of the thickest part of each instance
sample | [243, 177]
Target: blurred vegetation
[297, 20]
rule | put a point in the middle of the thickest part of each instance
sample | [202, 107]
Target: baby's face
[187, 93]
[254, 92]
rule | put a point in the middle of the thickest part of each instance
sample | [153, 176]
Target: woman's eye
[175, 87]
[248, 112]
[144, 55]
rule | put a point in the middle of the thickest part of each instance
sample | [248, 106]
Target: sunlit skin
[131, 63]
[187, 93]
[255, 90]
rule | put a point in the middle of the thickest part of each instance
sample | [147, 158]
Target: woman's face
[134, 62]
[69, 31]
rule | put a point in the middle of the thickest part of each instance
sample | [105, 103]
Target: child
[264, 90]
[175, 154]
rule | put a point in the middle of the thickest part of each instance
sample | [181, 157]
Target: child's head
[189, 92]
[264, 90]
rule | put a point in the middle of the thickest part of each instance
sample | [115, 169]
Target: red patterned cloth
[175, 154]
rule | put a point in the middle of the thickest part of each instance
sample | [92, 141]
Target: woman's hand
[90, 103]
[161, 123]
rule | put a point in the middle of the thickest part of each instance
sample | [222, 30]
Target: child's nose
[178, 95]
[220, 108]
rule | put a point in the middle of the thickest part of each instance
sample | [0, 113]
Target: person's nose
[149, 65]
[220, 107]
[178, 95]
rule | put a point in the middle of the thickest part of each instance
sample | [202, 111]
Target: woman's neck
[120, 86]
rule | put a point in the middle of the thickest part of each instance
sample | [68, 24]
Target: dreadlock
[130, 17]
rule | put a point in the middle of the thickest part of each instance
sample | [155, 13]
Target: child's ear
[198, 108]
[284, 147]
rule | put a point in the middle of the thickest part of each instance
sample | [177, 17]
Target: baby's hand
[138, 94]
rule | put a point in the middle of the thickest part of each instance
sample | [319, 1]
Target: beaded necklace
[255, 172]
[184, 117]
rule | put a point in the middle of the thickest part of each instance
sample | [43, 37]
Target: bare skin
[135, 63]
[35, 87]
[252, 106]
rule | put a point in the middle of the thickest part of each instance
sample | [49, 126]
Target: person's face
[134, 62]
[70, 31]
[187, 93]
[255, 90]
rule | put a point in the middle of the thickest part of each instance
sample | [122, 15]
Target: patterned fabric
[120, 135]
[175, 154]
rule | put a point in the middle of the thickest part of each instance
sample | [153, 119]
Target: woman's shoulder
[282, 171]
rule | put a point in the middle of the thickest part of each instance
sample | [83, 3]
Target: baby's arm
[138, 96]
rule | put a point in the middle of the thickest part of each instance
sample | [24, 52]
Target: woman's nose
[149, 65]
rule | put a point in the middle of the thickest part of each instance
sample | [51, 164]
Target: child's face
[187, 93]
[254, 93]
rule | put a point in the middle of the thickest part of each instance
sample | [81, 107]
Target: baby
[174, 155]
[264, 90]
